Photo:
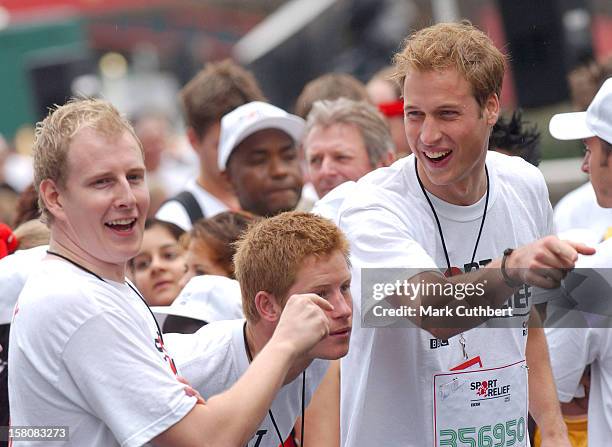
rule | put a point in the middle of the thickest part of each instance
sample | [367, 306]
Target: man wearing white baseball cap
[573, 349]
[258, 154]
[594, 127]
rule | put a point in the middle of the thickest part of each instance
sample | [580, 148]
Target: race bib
[484, 408]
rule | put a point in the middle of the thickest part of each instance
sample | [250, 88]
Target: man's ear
[52, 198]
[267, 306]
[388, 159]
[194, 139]
[225, 175]
[491, 109]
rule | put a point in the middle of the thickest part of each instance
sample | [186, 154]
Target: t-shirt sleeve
[546, 227]
[380, 239]
[562, 215]
[123, 380]
[549, 226]
[383, 250]
[205, 358]
[571, 350]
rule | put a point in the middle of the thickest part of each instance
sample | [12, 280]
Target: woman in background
[209, 245]
[158, 268]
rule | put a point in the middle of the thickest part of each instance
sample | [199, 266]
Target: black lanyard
[65, 258]
[433, 210]
[280, 437]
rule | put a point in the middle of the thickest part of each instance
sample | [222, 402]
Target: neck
[463, 192]
[257, 337]
[65, 247]
[219, 188]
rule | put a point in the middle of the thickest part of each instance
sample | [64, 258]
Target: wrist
[506, 274]
[556, 433]
[283, 348]
[553, 426]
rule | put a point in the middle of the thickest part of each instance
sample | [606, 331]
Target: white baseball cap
[250, 118]
[596, 121]
[207, 298]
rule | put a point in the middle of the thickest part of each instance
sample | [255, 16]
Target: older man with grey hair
[343, 141]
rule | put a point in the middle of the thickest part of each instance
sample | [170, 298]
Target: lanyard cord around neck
[280, 437]
[433, 210]
[85, 269]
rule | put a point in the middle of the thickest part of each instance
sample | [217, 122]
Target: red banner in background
[602, 37]
[24, 10]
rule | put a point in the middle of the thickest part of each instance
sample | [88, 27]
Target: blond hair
[55, 133]
[272, 251]
[461, 46]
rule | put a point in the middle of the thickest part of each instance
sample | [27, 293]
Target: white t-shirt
[14, 271]
[387, 376]
[86, 354]
[579, 210]
[214, 358]
[329, 205]
[573, 348]
[173, 211]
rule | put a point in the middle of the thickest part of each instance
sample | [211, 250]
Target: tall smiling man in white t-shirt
[86, 353]
[451, 206]
[575, 348]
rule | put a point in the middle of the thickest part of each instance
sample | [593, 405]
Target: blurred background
[138, 54]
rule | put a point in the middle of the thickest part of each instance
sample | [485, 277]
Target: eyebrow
[258, 151]
[98, 175]
[139, 169]
[441, 106]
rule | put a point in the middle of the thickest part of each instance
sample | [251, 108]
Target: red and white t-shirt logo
[482, 390]
[159, 345]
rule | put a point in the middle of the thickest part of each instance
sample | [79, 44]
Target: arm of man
[231, 418]
[543, 400]
[384, 242]
[542, 263]
[322, 417]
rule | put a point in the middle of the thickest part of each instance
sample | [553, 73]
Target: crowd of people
[375, 269]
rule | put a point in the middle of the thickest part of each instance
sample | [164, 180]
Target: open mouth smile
[121, 225]
[437, 157]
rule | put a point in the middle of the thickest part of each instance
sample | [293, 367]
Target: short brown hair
[585, 80]
[330, 86]
[55, 133]
[220, 233]
[461, 46]
[215, 91]
[27, 206]
[272, 251]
